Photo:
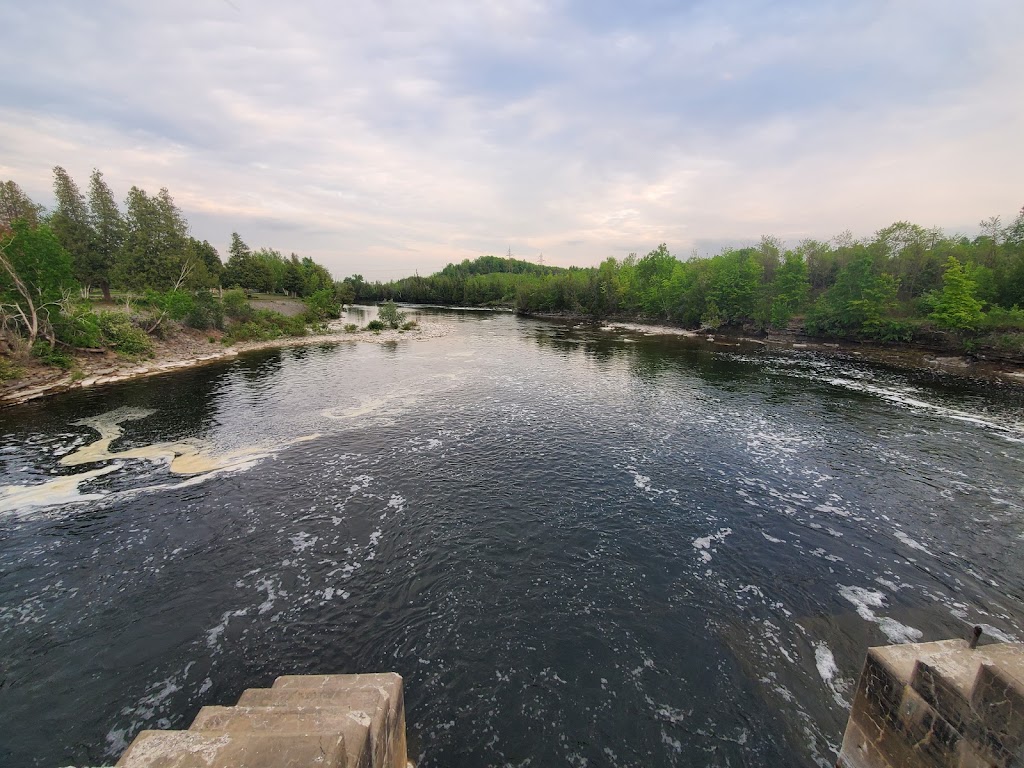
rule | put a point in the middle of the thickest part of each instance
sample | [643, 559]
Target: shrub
[323, 305]
[351, 328]
[121, 335]
[375, 325]
[891, 329]
[388, 313]
[177, 305]
[54, 356]
[236, 306]
[1006, 342]
[206, 312]
[77, 327]
[412, 324]
[266, 325]
[998, 318]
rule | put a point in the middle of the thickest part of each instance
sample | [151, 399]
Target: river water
[578, 546]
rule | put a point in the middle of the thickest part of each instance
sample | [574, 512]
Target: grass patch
[9, 371]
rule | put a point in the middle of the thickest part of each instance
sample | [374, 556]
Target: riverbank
[988, 364]
[185, 349]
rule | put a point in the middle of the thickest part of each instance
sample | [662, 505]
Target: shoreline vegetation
[903, 286]
[94, 292]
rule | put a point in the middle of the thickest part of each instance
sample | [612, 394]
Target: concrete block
[389, 739]
[947, 686]
[328, 721]
[189, 749]
[957, 707]
[998, 702]
[860, 750]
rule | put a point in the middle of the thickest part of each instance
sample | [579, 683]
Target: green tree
[15, 205]
[70, 222]
[108, 230]
[271, 270]
[207, 260]
[240, 269]
[735, 278]
[315, 277]
[293, 276]
[153, 254]
[35, 278]
[789, 289]
[344, 292]
[859, 301]
[957, 307]
[323, 305]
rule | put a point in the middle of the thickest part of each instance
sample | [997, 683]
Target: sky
[386, 137]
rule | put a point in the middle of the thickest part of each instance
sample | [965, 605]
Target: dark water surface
[578, 547]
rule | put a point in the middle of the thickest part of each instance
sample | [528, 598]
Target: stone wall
[328, 721]
[938, 704]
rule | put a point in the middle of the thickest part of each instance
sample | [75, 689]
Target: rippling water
[577, 546]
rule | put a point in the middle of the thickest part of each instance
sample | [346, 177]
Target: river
[578, 546]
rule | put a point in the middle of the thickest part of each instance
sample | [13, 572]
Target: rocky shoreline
[987, 365]
[186, 349]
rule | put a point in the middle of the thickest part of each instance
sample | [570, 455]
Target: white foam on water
[640, 481]
[703, 544]
[1011, 430]
[865, 600]
[668, 741]
[303, 541]
[829, 672]
[910, 542]
[213, 635]
[832, 510]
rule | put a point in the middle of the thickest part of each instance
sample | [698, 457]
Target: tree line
[142, 256]
[905, 281]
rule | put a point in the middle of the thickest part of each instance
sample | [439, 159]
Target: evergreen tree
[206, 257]
[293, 276]
[239, 271]
[71, 224]
[108, 230]
[154, 253]
[15, 205]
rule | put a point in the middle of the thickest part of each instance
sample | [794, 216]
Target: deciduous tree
[35, 277]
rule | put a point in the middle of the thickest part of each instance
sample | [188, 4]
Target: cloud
[383, 138]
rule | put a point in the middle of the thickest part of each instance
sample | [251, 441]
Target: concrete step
[191, 749]
[386, 682]
[366, 700]
[327, 721]
[375, 701]
[276, 720]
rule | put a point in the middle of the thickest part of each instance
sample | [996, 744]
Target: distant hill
[489, 265]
